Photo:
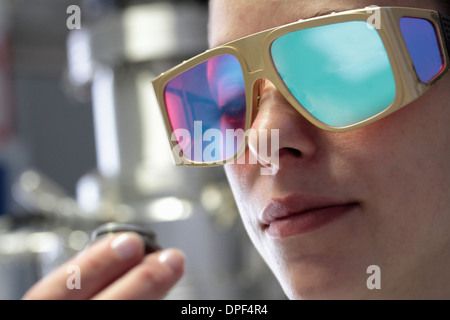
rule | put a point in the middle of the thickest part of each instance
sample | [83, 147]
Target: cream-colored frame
[253, 53]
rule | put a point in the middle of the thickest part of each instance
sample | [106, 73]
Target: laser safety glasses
[339, 71]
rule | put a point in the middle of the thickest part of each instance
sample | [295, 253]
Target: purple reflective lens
[206, 105]
[422, 42]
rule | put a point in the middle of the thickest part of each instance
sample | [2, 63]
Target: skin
[397, 170]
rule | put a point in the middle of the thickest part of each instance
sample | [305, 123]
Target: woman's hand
[113, 268]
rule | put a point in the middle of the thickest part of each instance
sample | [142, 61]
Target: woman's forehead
[233, 19]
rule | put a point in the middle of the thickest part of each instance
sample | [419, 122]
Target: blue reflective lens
[340, 73]
[421, 40]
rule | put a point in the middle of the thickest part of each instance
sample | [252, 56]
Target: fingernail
[172, 258]
[127, 245]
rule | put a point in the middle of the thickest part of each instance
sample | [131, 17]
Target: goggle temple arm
[445, 22]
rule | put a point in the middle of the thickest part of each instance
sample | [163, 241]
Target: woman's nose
[282, 133]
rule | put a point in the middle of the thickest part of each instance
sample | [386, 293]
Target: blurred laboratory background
[82, 144]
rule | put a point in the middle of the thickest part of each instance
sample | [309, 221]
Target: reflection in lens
[206, 101]
[340, 73]
[421, 40]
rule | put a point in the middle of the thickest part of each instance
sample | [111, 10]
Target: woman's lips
[298, 214]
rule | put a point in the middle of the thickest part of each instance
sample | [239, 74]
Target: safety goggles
[340, 71]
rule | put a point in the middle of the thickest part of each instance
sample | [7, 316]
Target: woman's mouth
[299, 214]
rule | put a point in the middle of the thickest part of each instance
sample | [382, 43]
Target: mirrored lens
[340, 73]
[206, 107]
[421, 40]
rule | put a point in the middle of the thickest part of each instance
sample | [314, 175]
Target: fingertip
[173, 258]
[128, 245]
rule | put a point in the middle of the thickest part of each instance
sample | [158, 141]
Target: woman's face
[341, 202]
